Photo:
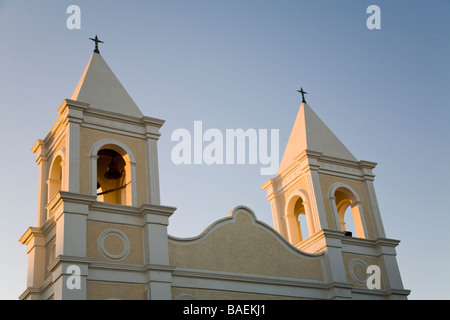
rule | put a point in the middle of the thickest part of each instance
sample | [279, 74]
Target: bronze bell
[112, 173]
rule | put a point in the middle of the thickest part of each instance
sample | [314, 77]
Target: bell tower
[320, 179]
[323, 200]
[99, 219]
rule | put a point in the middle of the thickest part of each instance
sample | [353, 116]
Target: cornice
[28, 292]
[262, 279]
[30, 234]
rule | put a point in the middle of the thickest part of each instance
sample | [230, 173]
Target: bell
[112, 173]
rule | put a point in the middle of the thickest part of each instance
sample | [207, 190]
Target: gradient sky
[238, 64]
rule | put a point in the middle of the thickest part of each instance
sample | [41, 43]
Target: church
[101, 231]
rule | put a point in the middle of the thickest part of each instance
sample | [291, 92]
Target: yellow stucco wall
[244, 246]
[204, 294]
[113, 244]
[99, 290]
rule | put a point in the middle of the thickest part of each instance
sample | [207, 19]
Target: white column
[40, 150]
[134, 202]
[70, 221]
[153, 194]
[71, 213]
[389, 268]
[74, 111]
[335, 213]
[42, 191]
[156, 251]
[316, 200]
[69, 280]
[93, 180]
[72, 169]
[35, 241]
[373, 204]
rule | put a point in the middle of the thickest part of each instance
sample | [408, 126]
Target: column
[156, 254]
[40, 150]
[373, 204]
[70, 268]
[315, 197]
[34, 239]
[72, 169]
[153, 195]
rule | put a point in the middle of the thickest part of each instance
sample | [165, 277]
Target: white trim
[73, 157]
[185, 296]
[317, 206]
[373, 202]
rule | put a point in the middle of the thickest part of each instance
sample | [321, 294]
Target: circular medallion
[113, 244]
[358, 271]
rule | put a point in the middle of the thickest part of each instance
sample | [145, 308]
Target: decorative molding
[351, 267]
[125, 241]
[185, 296]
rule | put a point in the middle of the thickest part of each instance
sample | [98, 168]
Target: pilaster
[40, 150]
[69, 275]
[316, 199]
[34, 239]
[152, 135]
[156, 250]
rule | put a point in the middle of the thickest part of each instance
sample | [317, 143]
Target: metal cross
[303, 94]
[96, 43]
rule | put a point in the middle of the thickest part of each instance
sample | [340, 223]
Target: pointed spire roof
[100, 88]
[311, 133]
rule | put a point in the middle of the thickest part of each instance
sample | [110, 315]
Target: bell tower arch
[113, 172]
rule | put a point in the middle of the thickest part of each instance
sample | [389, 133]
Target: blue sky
[238, 64]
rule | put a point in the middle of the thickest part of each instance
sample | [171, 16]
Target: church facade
[101, 231]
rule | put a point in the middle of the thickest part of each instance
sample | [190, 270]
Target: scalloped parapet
[239, 243]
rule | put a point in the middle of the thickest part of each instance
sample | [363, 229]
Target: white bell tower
[323, 200]
[99, 221]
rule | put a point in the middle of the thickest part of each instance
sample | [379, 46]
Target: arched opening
[113, 175]
[349, 212]
[300, 214]
[54, 181]
[297, 219]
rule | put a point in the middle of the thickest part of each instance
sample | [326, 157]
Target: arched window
[113, 173]
[348, 210]
[54, 182]
[113, 180]
[297, 218]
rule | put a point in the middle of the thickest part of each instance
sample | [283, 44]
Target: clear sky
[238, 64]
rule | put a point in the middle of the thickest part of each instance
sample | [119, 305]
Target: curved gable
[240, 243]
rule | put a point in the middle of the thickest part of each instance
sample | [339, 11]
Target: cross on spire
[303, 94]
[97, 41]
